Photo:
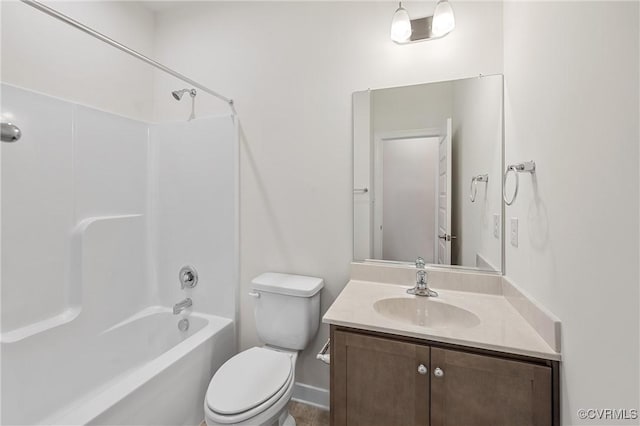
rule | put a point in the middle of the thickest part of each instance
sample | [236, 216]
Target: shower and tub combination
[119, 252]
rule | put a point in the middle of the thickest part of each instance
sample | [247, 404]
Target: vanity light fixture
[406, 30]
[443, 19]
[400, 25]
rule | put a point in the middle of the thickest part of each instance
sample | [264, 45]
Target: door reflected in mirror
[428, 173]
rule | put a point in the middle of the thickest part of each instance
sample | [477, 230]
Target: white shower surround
[102, 211]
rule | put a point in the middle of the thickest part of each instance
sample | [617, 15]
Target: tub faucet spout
[181, 306]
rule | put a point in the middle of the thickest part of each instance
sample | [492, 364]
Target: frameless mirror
[427, 173]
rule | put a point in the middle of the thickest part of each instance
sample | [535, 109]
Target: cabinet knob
[422, 369]
[438, 372]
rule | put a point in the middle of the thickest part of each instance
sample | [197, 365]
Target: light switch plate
[496, 226]
[514, 231]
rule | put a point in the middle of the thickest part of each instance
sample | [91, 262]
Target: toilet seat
[249, 384]
[262, 414]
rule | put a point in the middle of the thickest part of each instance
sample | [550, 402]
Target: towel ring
[528, 167]
[504, 186]
[473, 188]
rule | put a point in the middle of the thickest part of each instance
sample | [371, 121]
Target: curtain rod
[88, 30]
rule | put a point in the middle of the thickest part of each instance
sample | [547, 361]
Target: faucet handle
[421, 277]
[188, 277]
[420, 263]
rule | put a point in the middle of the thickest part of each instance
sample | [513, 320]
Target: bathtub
[141, 371]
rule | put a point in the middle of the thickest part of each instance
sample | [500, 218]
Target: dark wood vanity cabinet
[374, 381]
[387, 380]
[486, 390]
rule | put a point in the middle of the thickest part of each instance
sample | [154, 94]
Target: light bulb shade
[443, 19]
[400, 26]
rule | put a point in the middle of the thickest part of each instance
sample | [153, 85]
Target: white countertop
[501, 327]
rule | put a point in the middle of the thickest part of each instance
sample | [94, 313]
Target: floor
[305, 415]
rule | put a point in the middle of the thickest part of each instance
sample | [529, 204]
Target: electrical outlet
[496, 226]
[514, 231]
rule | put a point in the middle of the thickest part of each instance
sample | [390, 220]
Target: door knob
[438, 372]
[447, 237]
[422, 369]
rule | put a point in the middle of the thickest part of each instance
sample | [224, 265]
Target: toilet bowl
[254, 387]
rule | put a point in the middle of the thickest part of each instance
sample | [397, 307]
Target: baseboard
[311, 395]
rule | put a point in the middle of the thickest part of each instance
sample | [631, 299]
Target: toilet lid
[247, 380]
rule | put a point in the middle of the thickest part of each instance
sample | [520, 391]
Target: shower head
[177, 94]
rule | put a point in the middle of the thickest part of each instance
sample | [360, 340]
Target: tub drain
[183, 324]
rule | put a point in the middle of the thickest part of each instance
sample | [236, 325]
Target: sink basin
[426, 312]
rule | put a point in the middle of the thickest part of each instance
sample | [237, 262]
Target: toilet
[254, 387]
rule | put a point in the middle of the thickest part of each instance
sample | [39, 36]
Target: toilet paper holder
[325, 353]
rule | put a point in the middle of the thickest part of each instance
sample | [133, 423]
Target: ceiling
[160, 5]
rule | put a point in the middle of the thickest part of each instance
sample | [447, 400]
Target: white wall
[42, 54]
[571, 74]
[477, 149]
[292, 67]
[424, 106]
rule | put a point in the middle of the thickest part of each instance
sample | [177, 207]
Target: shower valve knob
[188, 277]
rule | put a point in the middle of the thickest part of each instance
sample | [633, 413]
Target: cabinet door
[478, 390]
[377, 381]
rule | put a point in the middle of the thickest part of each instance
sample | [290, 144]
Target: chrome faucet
[181, 306]
[421, 288]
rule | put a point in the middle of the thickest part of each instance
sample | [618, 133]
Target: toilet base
[285, 419]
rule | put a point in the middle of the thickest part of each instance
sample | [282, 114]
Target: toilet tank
[287, 309]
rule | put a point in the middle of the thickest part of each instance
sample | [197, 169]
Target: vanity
[445, 339]
[465, 357]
